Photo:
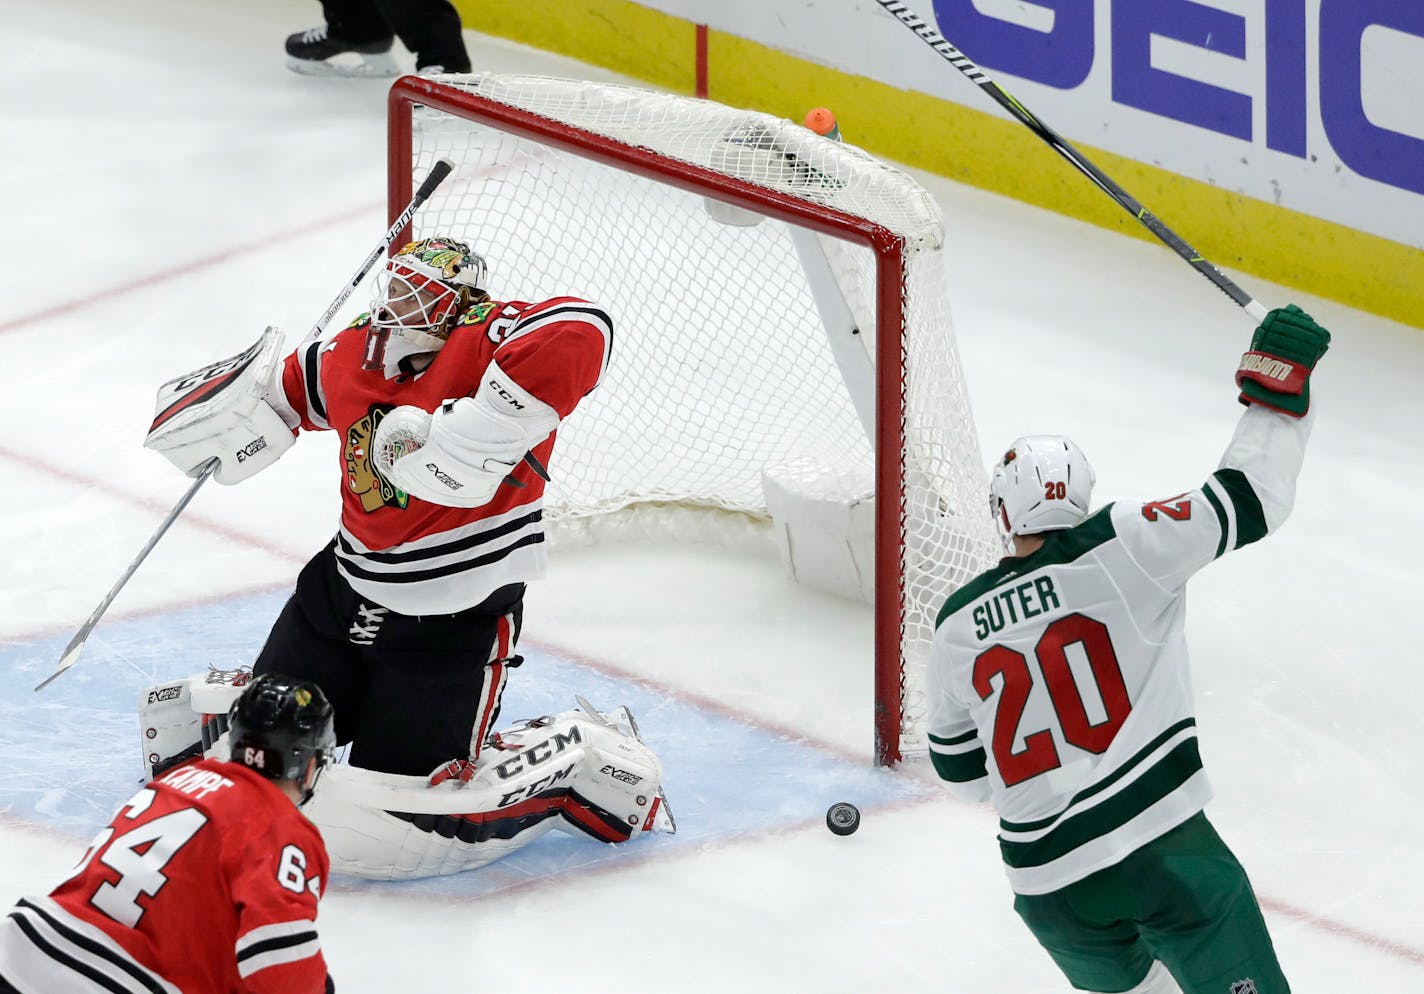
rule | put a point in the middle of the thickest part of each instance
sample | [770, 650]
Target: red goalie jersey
[417, 557]
[207, 880]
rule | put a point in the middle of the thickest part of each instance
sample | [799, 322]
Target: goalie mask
[422, 290]
[283, 729]
[1043, 483]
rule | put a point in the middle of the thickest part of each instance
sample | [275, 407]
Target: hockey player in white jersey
[1059, 690]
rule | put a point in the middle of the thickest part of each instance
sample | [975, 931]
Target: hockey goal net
[779, 305]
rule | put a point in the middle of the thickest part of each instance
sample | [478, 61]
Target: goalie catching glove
[1284, 350]
[225, 411]
[459, 455]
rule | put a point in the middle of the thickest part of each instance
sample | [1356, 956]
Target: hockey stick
[71, 652]
[438, 172]
[1004, 99]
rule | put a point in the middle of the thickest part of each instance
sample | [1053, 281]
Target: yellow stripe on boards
[974, 147]
[635, 41]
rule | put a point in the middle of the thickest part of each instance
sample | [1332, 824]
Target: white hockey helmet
[1043, 483]
[421, 291]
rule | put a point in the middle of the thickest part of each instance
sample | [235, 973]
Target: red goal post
[780, 311]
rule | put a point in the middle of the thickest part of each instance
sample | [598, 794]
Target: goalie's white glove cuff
[469, 445]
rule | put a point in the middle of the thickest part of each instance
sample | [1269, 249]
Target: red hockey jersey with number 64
[206, 882]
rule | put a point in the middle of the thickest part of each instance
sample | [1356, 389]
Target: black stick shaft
[1006, 100]
[438, 172]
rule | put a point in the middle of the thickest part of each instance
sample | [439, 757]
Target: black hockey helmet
[278, 726]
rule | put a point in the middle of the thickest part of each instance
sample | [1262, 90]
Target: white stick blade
[65, 661]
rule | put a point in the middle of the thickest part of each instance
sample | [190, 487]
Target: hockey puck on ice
[842, 818]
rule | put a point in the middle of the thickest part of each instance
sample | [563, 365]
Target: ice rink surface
[169, 189]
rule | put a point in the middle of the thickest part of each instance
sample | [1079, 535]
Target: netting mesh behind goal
[721, 366]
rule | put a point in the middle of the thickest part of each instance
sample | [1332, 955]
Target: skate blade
[662, 819]
[590, 710]
[376, 66]
[620, 718]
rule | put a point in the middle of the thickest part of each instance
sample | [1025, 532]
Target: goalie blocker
[581, 771]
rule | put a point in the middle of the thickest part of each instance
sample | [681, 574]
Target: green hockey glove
[1284, 349]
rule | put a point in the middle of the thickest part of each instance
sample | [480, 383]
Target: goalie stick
[441, 169]
[1004, 99]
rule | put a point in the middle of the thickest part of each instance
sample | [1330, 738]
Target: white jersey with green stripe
[1058, 681]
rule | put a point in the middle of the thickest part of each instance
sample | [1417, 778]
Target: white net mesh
[721, 364]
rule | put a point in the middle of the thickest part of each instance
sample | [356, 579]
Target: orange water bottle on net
[823, 122]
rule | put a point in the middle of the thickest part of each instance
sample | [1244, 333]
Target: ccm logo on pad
[505, 395]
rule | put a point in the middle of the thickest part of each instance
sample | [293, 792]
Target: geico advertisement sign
[1288, 64]
[1317, 105]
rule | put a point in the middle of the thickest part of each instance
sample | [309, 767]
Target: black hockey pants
[429, 28]
[410, 693]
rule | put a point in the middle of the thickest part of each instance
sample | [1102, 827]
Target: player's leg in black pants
[430, 29]
[311, 639]
[434, 687]
[356, 21]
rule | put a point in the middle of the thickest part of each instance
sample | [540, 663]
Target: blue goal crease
[70, 755]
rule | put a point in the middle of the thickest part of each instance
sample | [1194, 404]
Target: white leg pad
[176, 718]
[169, 727]
[622, 777]
[572, 772]
[369, 840]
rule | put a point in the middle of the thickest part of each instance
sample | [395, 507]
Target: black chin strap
[412, 366]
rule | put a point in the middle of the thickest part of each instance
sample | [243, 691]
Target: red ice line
[265, 244]
[194, 265]
[159, 508]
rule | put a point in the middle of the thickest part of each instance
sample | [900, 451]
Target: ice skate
[316, 52]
